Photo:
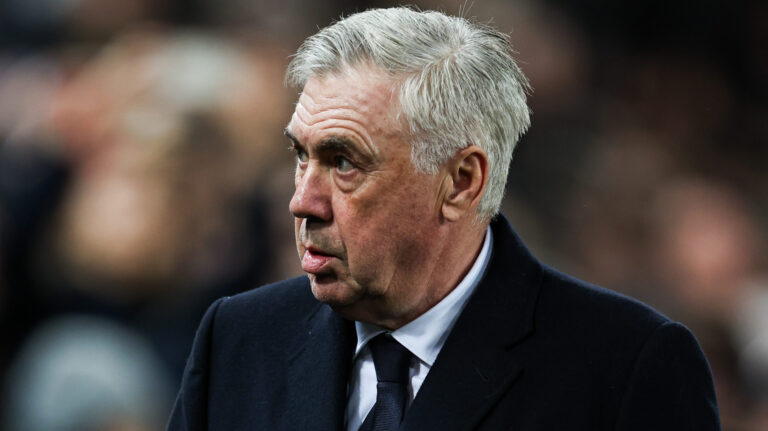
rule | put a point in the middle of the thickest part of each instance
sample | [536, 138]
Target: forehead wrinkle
[354, 126]
[353, 119]
[376, 95]
[310, 115]
[364, 108]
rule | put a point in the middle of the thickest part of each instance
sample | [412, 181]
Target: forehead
[360, 101]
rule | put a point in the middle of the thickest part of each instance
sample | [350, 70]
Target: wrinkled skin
[368, 226]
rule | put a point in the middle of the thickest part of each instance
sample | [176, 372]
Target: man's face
[364, 216]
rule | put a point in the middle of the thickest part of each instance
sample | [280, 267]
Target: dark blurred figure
[132, 191]
[80, 373]
[710, 256]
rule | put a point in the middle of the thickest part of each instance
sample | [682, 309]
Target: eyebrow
[338, 144]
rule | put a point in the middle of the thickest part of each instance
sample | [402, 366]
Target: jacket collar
[319, 370]
[478, 363]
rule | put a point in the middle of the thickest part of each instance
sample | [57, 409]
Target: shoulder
[269, 309]
[561, 309]
[594, 308]
[601, 320]
[274, 298]
[570, 296]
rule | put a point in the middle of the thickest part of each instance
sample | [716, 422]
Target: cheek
[384, 225]
[384, 232]
[365, 234]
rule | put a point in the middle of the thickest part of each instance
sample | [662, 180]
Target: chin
[330, 290]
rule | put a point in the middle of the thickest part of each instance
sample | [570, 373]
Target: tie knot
[390, 359]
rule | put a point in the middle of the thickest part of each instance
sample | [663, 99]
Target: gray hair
[459, 84]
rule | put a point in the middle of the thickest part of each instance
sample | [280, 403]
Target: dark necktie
[391, 360]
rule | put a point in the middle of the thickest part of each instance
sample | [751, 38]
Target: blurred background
[143, 173]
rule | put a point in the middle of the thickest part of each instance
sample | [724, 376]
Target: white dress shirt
[423, 337]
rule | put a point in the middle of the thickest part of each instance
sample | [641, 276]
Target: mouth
[316, 261]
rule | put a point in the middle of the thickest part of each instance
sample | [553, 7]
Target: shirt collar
[425, 335]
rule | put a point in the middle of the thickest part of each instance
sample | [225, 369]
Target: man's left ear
[467, 175]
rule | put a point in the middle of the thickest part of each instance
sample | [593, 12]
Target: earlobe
[467, 177]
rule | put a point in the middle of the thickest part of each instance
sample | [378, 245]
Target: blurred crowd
[143, 173]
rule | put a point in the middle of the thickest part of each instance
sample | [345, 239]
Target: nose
[311, 199]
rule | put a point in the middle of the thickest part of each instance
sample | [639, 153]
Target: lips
[314, 261]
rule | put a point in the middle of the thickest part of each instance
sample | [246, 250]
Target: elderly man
[422, 309]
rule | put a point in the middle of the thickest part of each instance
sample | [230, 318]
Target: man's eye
[301, 155]
[343, 164]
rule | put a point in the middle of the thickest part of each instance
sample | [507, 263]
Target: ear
[467, 175]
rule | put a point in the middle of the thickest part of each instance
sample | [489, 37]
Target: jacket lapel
[318, 372]
[478, 363]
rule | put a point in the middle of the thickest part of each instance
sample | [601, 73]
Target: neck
[455, 250]
[459, 254]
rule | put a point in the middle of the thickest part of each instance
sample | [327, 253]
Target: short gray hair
[459, 83]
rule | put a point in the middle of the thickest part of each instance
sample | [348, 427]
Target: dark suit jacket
[533, 350]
